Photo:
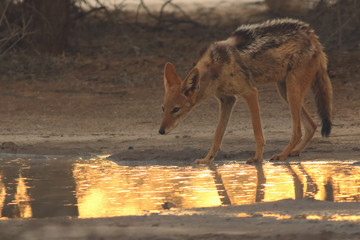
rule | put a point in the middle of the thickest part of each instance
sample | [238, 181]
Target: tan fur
[285, 52]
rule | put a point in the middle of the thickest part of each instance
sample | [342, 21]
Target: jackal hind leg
[226, 106]
[295, 98]
[309, 127]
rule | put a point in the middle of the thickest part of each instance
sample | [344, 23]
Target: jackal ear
[191, 83]
[170, 76]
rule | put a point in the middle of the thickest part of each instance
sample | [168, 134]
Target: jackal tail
[323, 95]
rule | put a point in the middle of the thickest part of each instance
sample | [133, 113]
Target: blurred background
[127, 42]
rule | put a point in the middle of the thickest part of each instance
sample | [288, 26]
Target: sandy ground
[82, 118]
[87, 111]
[286, 219]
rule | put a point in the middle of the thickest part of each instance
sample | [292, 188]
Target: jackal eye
[162, 108]
[175, 110]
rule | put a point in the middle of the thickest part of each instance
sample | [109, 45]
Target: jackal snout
[162, 131]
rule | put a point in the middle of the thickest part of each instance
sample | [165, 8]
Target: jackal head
[180, 97]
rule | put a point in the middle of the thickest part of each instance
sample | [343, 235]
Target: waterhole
[31, 188]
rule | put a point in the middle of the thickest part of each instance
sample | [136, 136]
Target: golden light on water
[240, 182]
[134, 190]
[350, 218]
[20, 204]
[22, 199]
[103, 188]
[107, 189]
[277, 216]
[336, 182]
[314, 217]
[279, 183]
[2, 194]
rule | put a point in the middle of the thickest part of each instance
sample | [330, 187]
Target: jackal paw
[202, 161]
[278, 157]
[294, 153]
[253, 160]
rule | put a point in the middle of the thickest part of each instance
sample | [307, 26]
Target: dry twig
[160, 19]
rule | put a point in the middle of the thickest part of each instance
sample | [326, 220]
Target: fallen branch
[160, 19]
[84, 14]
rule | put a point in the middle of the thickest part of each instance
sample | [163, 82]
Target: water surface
[31, 188]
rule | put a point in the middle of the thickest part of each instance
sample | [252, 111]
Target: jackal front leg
[226, 106]
[253, 104]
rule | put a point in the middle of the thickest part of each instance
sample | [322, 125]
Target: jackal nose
[162, 131]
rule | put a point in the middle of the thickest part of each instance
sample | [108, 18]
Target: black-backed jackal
[283, 51]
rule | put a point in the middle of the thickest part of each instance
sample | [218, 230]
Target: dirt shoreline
[285, 219]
